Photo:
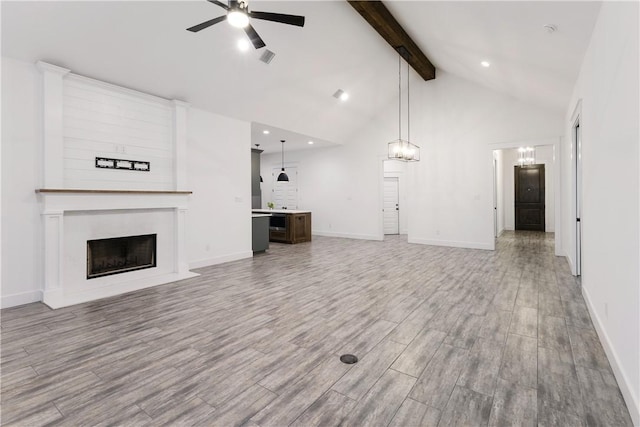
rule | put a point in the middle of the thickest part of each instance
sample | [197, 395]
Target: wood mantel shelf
[65, 190]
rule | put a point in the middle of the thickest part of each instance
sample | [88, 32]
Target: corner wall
[608, 88]
[449, 192]
[452, 195]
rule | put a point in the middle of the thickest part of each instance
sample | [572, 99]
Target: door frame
[557, 171]
[575, 220]
[397, 182]
[495, 196]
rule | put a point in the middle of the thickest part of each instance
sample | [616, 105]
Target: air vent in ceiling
[267, 56]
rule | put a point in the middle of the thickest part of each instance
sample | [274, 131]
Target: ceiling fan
[238, 16]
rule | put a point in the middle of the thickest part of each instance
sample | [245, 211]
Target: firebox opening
[120, 255]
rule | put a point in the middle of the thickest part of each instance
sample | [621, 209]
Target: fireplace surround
[71, 218]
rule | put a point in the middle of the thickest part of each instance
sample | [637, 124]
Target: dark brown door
[529, 197]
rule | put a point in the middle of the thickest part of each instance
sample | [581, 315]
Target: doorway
[390, 206]
[504, 160]
[529, 196]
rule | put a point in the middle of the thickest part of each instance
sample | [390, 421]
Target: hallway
[445, 336]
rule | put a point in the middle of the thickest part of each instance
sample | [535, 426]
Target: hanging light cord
[408, 105]
[399, 96]
[282, 155]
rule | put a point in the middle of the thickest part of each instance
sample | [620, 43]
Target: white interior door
[390, 208]
[285, 193]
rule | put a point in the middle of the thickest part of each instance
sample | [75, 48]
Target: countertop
[272, 211]
[259, 215]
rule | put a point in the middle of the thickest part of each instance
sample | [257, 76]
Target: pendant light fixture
[526, 156]
[401, 149]
[283, 176]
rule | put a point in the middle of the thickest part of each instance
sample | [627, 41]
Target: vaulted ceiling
[143, 45]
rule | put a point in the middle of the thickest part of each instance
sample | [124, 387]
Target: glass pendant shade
[403, 150]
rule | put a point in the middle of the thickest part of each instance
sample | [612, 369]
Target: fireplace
[120, 255]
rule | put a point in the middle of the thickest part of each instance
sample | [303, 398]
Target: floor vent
[349, 359]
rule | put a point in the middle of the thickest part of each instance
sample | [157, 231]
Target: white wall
[219, 174]
[544, 155]
[219, 169]
[21, 158]
[101, 120]
[450, 191]
[452, 194]
[608, 87]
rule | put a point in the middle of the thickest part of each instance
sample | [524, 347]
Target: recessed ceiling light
[344, 96]
[266, 132]
[243, 45]
[310, 142]
[485, 64]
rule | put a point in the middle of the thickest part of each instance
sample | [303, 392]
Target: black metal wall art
[134, 165]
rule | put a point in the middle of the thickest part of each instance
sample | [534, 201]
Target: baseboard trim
[58, 298]
[21, 298]
[347, 235]
[220, 259]
[452, 244]
[633, 405]
[571, 266]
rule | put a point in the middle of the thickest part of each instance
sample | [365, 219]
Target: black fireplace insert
[120, 255]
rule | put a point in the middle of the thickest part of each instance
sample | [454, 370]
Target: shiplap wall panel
[102, 120]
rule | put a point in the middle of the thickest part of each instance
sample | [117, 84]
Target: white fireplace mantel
[55, 203]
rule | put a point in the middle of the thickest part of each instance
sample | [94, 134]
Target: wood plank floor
[445, 336]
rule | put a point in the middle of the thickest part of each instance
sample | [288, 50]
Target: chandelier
[401, 149]
[526, 156]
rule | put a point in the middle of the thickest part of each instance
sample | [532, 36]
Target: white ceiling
[294, 141]
[527, 62]
[144, 45]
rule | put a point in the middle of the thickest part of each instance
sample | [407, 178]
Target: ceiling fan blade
[207, 24]
[279, 17]
[219, 3]
[254, 37]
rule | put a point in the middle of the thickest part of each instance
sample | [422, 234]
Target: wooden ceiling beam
[379, 17]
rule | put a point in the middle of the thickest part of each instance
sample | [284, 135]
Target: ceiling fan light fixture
[237, 18]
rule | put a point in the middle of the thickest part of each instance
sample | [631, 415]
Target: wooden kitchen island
[287, 225]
